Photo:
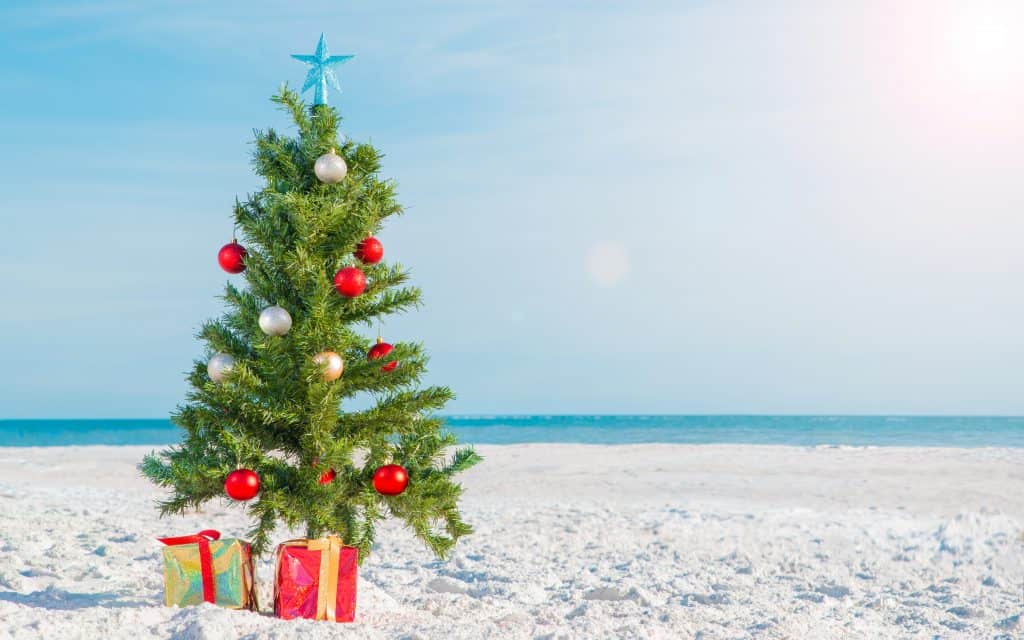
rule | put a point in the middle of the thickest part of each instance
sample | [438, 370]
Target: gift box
[205, 568]
[316, 579]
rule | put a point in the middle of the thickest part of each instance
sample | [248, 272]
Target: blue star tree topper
[321, 72]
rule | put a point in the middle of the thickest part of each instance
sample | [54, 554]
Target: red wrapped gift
[316, 579]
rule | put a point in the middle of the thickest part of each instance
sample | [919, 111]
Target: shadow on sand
[59, 600]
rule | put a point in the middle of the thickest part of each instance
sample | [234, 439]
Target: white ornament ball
[219, 366]
[330, 168]
[275, 321]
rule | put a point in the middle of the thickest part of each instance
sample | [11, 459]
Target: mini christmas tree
[265, 419]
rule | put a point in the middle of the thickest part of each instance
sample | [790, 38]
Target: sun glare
[987, 42]
[964, 79]
[607, 263]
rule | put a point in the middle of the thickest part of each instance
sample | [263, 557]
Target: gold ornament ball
[332, 364]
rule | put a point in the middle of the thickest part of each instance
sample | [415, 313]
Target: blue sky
[650, 207]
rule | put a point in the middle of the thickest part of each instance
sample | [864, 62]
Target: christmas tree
[265, 418]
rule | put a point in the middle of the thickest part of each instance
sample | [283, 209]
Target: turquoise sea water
[618, 429]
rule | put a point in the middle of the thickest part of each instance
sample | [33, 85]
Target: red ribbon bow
[202, 539]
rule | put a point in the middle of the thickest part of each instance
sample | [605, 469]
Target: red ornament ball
[380, 350]
[242, 484]
[370, 251]
[350, 282]
[232, 257]
[390, 480]
[327, 476]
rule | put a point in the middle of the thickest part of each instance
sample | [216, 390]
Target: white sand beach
[640, 541]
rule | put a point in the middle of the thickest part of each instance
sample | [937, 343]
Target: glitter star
[321, 73]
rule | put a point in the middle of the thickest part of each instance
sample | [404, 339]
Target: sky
[643, 207]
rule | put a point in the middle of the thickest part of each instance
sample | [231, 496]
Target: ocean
[880, 431]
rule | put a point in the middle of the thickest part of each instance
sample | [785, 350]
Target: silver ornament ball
[330, 168]
[275, 321]
[219, 366]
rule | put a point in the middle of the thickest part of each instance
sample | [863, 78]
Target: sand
[573, 541]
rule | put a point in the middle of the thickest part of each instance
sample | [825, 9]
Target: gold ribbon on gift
[327, 586]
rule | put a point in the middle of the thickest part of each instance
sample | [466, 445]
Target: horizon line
[608, 415]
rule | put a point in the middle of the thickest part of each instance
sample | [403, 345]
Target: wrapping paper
[316, 579]
[203, 568]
